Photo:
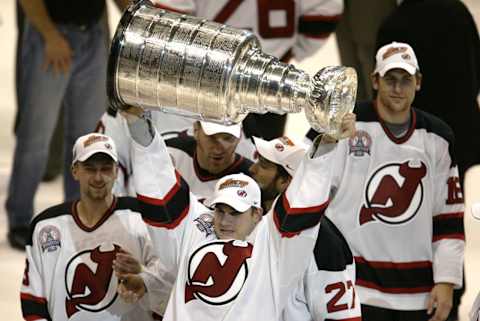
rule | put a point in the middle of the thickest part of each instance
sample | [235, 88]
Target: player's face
[265, 173]
[231, 224]
[396, 92]
[215, 153]
[96, 176]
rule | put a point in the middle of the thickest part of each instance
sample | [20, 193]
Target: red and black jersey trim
[33, 307]
[318, 26]
[395, 278]
[291, 221]
[448, 226]
[169, 211]
[105, 216]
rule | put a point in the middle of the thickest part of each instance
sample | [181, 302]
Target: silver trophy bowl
[209, 71]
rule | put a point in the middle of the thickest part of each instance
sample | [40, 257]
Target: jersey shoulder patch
[51, 212]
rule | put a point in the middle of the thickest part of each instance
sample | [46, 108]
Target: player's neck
[90, 212]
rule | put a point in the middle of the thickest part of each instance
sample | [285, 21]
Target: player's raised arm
[294, 218]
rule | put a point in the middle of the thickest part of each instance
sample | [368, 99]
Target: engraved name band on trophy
[197, 68]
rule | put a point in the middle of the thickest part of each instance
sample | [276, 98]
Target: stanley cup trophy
[197, 68]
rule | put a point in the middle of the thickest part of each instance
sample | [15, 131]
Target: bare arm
[58, 52]
[37, 14]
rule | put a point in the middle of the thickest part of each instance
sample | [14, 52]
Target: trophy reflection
[197, 68]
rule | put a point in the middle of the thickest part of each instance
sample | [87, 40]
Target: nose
[397, 87]
[98, 175]
[219, 145]
[225, 219]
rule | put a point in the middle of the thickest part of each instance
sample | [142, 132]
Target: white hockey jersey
[327, 291]
[285, 28]
[400, 206]
[68, 273]
[228, 279]
[169, 126]
[201, 182]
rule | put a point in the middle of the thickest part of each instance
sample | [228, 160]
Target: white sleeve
[317, 21]
[165, 201]
[294, 219]
[32, 292]
[296, 307]
[448, 227]
[331, 295]
[158, 278]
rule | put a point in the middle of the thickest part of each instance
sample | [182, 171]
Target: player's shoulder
[185, 143]
[50, 213]
[433, 124]
[127, 203]
[243, 164]
[365, 111]
[331, 251]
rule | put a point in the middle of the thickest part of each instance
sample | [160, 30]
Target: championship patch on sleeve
[205, 223]
[49, 238]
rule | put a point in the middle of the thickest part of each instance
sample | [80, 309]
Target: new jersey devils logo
[88, 279]
[394, 193]
[217, 272]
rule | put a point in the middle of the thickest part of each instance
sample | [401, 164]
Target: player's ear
[374, 77]
[117, 168]
[257, 214]
[419, 78]
[74, 171]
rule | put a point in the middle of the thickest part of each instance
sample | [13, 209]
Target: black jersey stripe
[169, 211]
[34, 308]
[290, 221]
[448, 226]
[395, 278]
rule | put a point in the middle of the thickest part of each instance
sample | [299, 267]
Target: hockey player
[286, 29]
[68, 273]
[208, 155]
[179, 131]
[234, 263]
[327, 290]
[398, 199]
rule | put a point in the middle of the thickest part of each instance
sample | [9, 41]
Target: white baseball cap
[213, 128]
[238, 191]
[396, 55]
[282, 151]
[93, 143]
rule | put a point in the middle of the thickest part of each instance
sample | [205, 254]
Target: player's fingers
[430, 304]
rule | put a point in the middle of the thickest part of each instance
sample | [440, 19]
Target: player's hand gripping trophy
[190, 66]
